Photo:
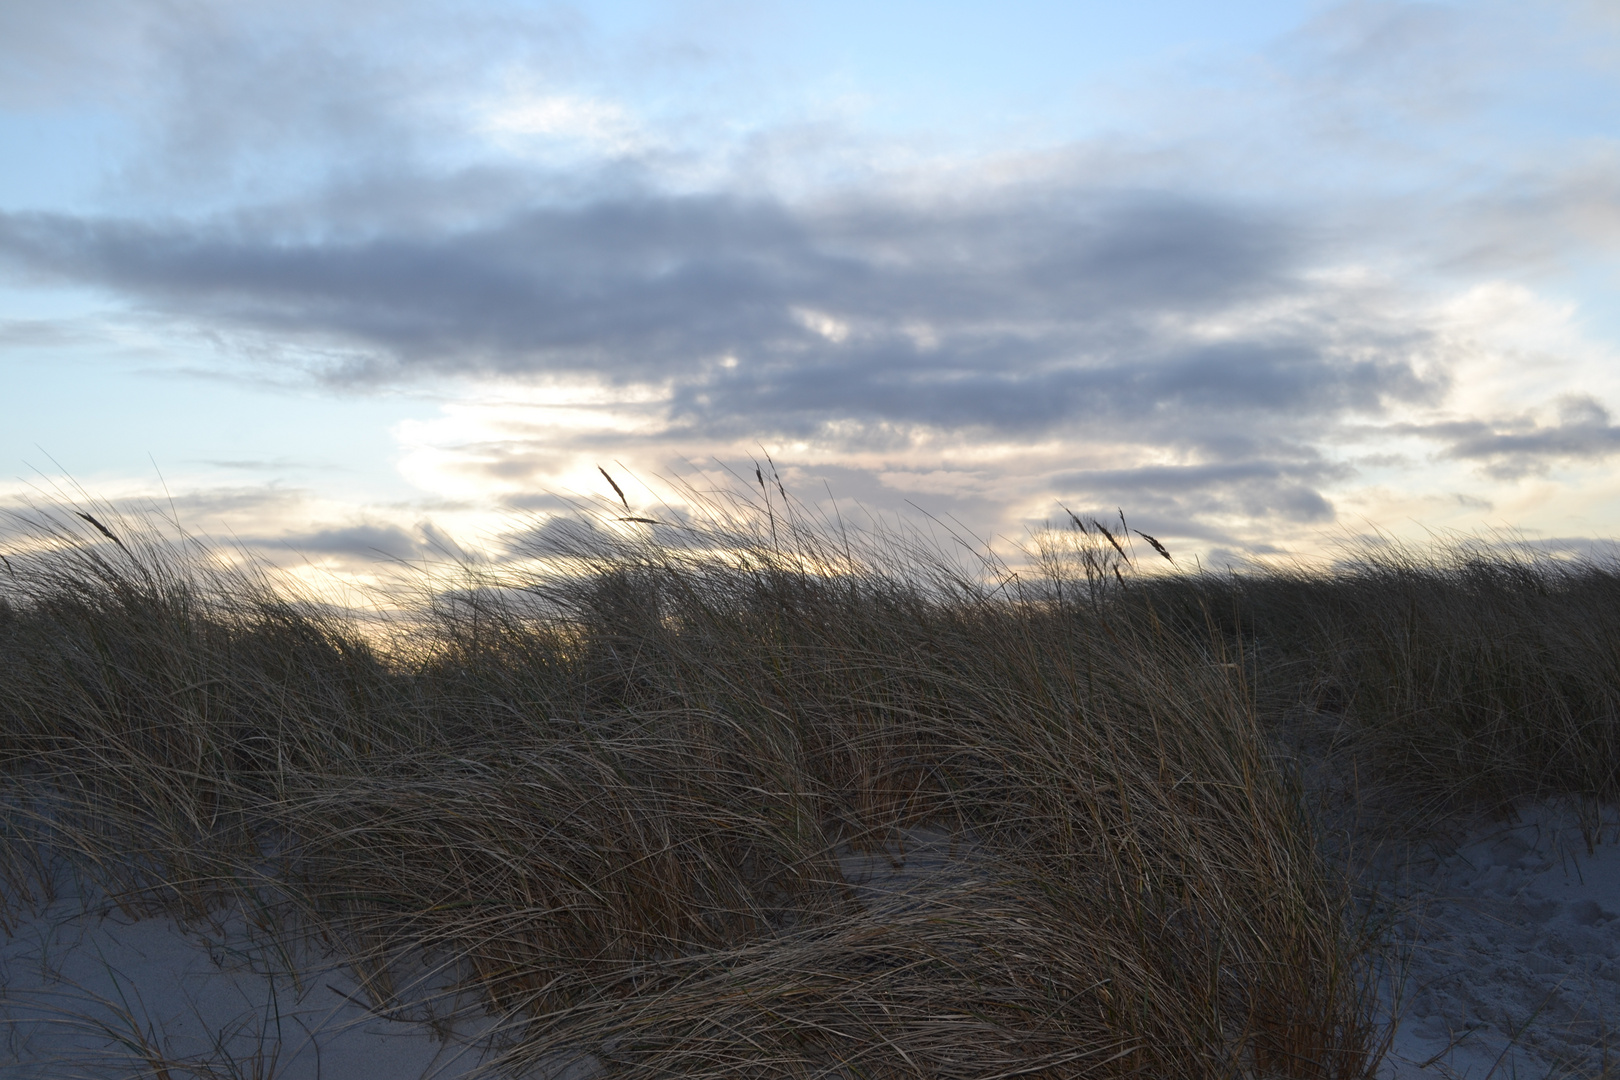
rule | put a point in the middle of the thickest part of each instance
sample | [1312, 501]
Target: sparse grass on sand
[608, 792]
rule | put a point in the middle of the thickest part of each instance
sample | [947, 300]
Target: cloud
[41, 333]
[214, 100]
[356, 541]
[1180, 497]
[1098, 320]
[1519, 446]
[601, 125]
[1019, 311]
[1562, 210]
[395, 195]
[1372, 60]
[52, 54]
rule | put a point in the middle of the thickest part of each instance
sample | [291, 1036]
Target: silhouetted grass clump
[617, 790]
[1464, 672]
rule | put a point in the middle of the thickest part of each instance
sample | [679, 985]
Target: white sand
[1514, 938]
[1511, 952]
[93, 994]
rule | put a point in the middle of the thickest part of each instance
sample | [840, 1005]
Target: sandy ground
[1512, 950]
[1509, 944]
[85, 992]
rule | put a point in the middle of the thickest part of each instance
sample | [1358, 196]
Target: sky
[339, 282]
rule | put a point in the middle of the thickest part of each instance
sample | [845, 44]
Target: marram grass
[608, 792]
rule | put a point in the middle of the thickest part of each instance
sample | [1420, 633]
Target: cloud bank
[1225, 346]
[1156, 318]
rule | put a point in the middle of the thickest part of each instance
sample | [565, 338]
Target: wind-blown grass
[612, 790]
[1470, 671]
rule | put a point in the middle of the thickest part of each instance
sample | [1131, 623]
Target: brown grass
[614, 788]
[1469, 672]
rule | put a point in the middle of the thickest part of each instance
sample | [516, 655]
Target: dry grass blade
[1160, 548]
[102, 529]
[1110, 538]
[614, 484]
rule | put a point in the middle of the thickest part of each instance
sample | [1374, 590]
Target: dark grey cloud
[1011, 384]
[672, 280]
[1017, 312]
[1176, 498]
[1519, 446]
[1127, 317]
[355, 541]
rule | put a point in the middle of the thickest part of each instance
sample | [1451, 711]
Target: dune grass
[608, 792]
[1467, 672]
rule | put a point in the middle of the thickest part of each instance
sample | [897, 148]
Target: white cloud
[819, 322]
[602, 126]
